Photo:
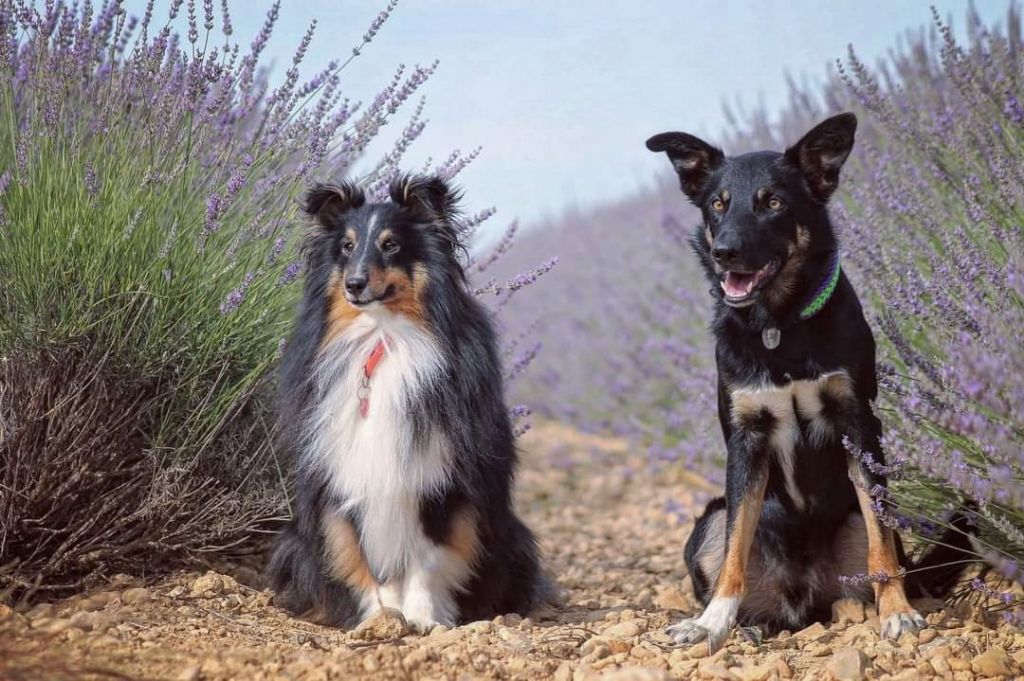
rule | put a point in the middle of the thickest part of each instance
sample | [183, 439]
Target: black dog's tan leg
[746, 478]
[895, 613]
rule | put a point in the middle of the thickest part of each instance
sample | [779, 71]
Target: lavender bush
[930, 213]
[149, 189]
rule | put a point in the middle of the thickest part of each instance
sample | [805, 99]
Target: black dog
[393, 408]
[796, 374]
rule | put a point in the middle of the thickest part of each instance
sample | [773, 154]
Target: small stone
[514, 637]
[848, 664]
[628, 629]
[516, 665]
[927, 636]
[563, 673]
[513, 620]
[481, 627]
[906, 675]
[859, 632]
[209, 584]
[636, 674]
[642, 652]
[38, 612]
[136, 596]
[815, 631]
[758, 672]
[848, 610]
[91, 603]
[716, 671]
[958, 665]
[671, 598]
[386, 624]
[782, 667]
[188, 674]
[439, 629]
[992, 662]
[5, 611]
[723, 657]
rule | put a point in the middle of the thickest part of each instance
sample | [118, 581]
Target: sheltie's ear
[328, 202]
[430, 198]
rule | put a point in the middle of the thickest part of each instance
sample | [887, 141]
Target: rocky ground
[611, 531]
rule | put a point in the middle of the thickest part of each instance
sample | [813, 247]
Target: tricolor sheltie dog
[394, 411]
[796, 376]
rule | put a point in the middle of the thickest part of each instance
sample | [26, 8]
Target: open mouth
[742, 287]
[364, 301]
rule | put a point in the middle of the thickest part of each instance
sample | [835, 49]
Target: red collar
[376, 355]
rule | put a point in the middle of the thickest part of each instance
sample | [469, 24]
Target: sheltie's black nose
[355, 284]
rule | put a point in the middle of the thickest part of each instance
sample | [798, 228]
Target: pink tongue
[738, 284]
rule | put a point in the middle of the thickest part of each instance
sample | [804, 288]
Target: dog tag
[771, 337]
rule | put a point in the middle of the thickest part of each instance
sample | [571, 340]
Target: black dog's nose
[725, 255]
[355, 284]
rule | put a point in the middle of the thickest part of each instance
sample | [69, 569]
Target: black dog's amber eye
[348, 247]
[775, 203]
[717, 205]
[389, 246]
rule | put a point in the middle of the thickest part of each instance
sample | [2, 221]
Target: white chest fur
[374, 464]
[804, 399]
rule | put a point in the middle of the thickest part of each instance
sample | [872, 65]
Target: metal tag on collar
[771, 337]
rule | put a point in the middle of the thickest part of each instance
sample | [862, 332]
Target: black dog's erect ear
[693, 158]
[821, 153]
[328, 201]
[429, 197]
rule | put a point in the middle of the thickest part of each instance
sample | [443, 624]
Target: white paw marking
[901, 623]
[714, 624]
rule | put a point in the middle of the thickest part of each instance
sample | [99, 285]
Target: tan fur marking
[350, 234]
[725, 195]
[890, 595]
[463, 540]
[344, 556]
[383, 236]
[708, 236]
[838, 386]
[340, 312]
[408, 297]
[786, 280]
[732, 581]
[749, 403]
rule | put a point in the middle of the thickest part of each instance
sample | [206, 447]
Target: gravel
[611, 530]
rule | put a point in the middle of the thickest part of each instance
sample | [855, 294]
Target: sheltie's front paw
[901, 623]
[422, 613]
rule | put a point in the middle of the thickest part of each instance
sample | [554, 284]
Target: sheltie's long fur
[409, 506]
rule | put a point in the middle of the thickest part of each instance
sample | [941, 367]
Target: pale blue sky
[561, 95]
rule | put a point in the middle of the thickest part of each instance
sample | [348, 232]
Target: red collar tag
[376, 355]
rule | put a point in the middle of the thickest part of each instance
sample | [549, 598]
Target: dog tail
[935, 574]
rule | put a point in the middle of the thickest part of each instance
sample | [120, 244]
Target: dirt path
[611, 531]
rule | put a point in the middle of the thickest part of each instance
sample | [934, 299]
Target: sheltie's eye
[348, 247]
[390, 246]
[718, 205]
[775, 203]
